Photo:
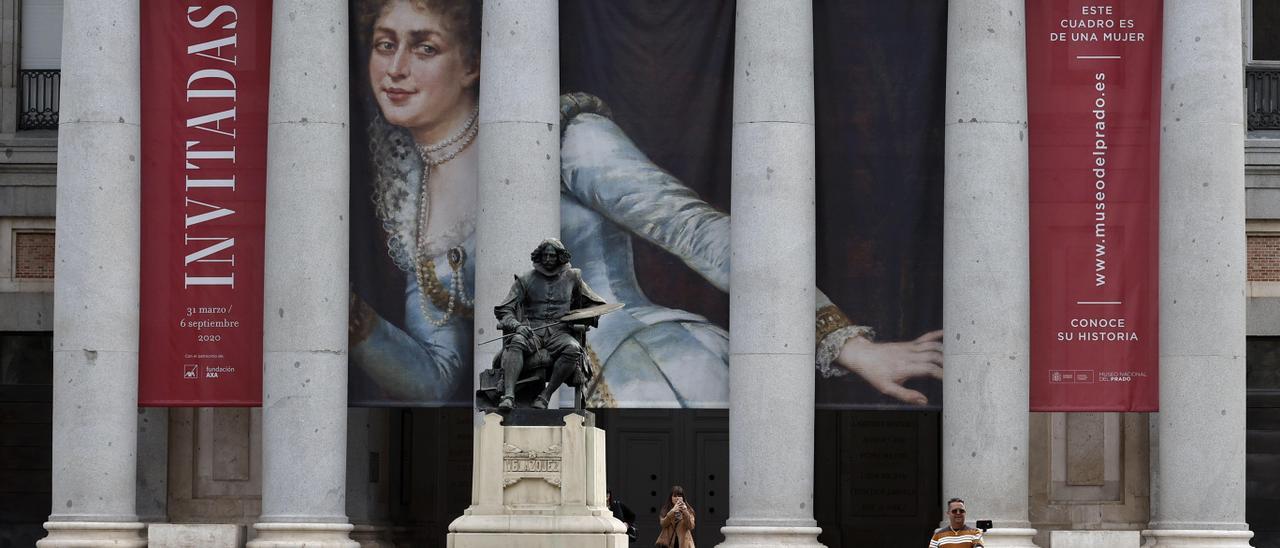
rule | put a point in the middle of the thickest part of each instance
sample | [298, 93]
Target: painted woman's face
[417, 70]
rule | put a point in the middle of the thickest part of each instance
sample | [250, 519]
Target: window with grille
[33, 255]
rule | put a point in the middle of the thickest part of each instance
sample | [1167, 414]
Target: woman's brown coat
[672, 527]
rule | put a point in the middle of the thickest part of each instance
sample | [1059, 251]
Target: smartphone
[984, 524]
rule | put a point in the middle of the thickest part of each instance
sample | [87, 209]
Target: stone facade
[1082, 472]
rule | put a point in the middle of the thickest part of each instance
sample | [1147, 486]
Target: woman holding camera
[677, 521]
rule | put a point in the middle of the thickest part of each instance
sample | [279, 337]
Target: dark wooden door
[649, 450]
[26, 436]
[429, 472]
[877, 474]
[1262, 446]
[877, 477]
[1262, 471]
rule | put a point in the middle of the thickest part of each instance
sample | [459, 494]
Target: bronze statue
[543, 341]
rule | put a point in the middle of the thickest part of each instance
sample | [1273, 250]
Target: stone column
[1200, 467]
[96, 292]
[773, 243]
[10, 64]
[304, 401]
[986, 299]
[519, 141]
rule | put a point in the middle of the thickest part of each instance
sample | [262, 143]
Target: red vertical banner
[1093, 102]
[205, 66]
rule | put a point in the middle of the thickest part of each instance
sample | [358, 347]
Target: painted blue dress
[647, 355]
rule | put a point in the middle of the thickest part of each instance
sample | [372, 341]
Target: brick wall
[33, 255]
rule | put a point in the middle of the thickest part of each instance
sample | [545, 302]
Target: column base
[1195, 538]
[739, 535]
[311, 535]
[88, 534]
[372, 536]
[1010, 537]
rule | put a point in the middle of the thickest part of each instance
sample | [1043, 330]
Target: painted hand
[887, 365]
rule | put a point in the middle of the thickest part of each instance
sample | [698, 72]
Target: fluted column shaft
[1200, 467]
[986, 285]
[96, 290]
[519, 141]
[304, 416]
[773, 243]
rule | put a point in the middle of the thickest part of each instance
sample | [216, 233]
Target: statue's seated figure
[534, 376]
[540, 352]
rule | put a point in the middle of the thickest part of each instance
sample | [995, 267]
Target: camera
[984, 524]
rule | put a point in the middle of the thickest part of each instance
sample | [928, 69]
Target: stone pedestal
[538, 487]
[205, 535]
[1195, 538]
[88, 534]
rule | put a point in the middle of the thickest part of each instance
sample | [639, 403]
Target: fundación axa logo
[191, 370]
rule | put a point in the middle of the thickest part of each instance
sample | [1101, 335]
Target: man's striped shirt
[968, 537]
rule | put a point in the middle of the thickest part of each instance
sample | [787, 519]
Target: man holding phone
[957, 534]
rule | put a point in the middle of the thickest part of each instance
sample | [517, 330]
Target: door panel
[26, 436]
[711, 485]
[1262, 440]
[1262, 469]
[652, 449]
[877, 473]
[877, 477]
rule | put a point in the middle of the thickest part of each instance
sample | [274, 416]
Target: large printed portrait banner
[645, 198]
[205, 66]
[1093, 90]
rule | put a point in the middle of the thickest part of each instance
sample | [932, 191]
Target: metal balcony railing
[38, 98]
[1262, 103]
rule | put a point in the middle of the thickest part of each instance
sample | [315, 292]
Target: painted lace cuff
[830, 345]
